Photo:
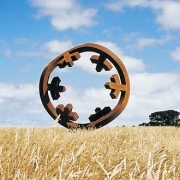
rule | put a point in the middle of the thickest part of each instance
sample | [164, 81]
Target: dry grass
[107, 153]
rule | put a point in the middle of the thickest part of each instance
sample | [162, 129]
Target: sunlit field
[107, 153]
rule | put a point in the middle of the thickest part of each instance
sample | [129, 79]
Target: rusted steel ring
[119, 86]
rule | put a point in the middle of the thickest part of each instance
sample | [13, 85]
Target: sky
[145, 34]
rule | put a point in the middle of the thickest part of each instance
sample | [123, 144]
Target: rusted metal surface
[119, 86]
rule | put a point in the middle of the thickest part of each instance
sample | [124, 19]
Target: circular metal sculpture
[103, 58]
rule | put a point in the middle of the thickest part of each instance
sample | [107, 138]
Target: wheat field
[127, 153]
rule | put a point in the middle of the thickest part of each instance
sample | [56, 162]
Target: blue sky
[145, 34]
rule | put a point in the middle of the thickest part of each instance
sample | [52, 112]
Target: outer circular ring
[124, 80]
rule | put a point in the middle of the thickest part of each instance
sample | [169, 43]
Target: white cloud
[167, 12]
[176, 54]
[149, 92]
[137, 42]
[21, 91]
[143, 42]
[55, 47]
[20, 104]
[47, 50]
[118, 5]
[58, 47]
[65, 14]
[85, 101]
[132, 64]
[149, 83]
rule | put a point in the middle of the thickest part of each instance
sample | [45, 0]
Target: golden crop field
[127, 153]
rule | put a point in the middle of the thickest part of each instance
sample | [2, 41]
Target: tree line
[163, 118]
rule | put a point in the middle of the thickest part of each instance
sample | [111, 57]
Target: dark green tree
[163, 117]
